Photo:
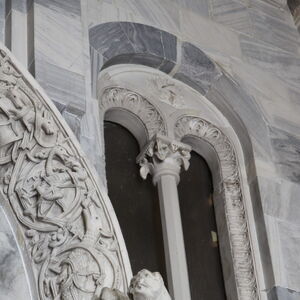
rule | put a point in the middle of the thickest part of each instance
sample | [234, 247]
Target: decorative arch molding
[236, 218]
[67, 225]
[138, 107]
[114, 43]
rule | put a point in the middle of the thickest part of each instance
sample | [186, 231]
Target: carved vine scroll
[116, 97]
[67, 229]
[234, 203]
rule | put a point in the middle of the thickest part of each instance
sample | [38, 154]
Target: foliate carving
[67, 230]
[234, 202]
[144, 286]
[125, 99]
[162, 155]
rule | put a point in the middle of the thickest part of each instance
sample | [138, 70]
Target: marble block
[13, 282]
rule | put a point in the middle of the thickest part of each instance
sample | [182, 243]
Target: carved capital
[162, 156]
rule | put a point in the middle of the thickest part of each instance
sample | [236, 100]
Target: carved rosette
[234, 203]
[163, 156]
[116, 97]
[67, 230]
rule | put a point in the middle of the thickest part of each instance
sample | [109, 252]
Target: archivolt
[243, 263]
[124, 99]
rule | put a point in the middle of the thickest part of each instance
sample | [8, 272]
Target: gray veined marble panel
[147, 39]
[67, 7]
[123, 42]
[270, 10]
[2, 9]
[74, 121]
[196, 69]
[281, 293]
[5, 10]
[232, 14]
[265, 56]
[110, 40]
[244, 114]
[199, 7]
[274, 31]
[22, 5]
[161, 14]
[119, 38]
[286, 148]
[289, 243]
[62, 86]
[13, 283]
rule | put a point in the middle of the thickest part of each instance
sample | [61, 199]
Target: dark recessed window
[199, 228]
[135, 201]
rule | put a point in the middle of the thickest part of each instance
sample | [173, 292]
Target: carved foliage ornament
[116, 97]
[162, 154]
[234, 202]
[67, 230]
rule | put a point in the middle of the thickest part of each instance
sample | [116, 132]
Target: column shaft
[176, 265]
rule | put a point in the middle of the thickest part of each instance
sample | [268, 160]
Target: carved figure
[144, 286]
[148, 286]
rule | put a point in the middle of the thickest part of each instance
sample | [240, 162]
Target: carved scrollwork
[67, 230]
[234, 202]
[116, 97]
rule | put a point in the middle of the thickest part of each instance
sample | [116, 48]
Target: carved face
[146, 285]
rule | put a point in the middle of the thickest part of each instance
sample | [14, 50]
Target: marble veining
[196, 69]
[275, 32]
[232, 14]
[13, 282]
[63, 86]
[66, 7]
[287, 153]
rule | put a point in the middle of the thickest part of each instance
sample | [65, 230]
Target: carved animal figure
[144, 286]
[148, 286]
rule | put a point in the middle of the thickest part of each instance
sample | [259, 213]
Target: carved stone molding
[243, 262]
[116, 97]
[163, 155]
[67, 229]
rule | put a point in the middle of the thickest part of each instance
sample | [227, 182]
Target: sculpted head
[148, 286]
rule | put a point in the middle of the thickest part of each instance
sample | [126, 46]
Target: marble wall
[13, 282]
[254, 45]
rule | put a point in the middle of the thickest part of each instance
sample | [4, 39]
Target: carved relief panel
[67, 229]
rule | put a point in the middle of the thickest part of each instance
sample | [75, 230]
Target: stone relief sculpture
[46, 182]
[234, 203]
[117, 97]
[67, 229]
[144, 286]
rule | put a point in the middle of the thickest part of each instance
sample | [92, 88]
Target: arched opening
[218, 142]
[200, 231]
[135, 201]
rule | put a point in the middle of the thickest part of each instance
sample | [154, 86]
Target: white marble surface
[255, 42]
[13, 282]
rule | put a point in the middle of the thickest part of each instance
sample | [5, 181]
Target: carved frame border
[36, 145]
[139, 106]
[236, 218]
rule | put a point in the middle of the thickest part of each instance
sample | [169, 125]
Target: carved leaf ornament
[122, 98]
[68, 232]
[234, 202]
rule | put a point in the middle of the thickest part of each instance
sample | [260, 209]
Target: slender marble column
[163, 159]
